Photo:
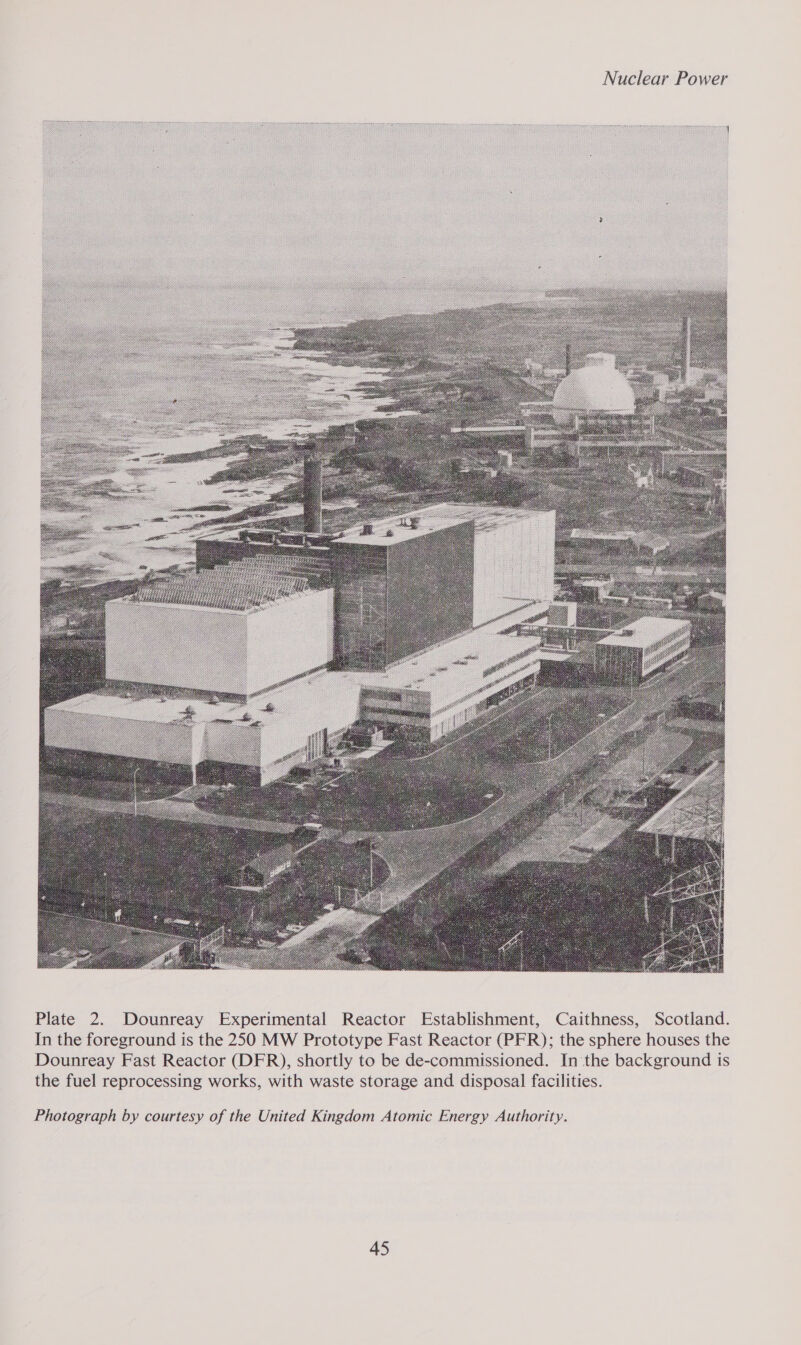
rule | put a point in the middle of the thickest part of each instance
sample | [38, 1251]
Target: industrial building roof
[589, 535]
[460, 662]
[696, 812]
[313, 562]
[267, 861]
[241, 586]
[294, 698]
[172, 709]
[643, 632]
[75, 941]
[649, 541]
[674, 452]
[432, 518]
[487, 517]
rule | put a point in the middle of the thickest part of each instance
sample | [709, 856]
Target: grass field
[155, 869]
[115, 858]
[581, 712]
[119, 790]
[572, 917]
[391, 795]
[448, 783]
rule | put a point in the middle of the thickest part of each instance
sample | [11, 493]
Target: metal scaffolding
[692, 928]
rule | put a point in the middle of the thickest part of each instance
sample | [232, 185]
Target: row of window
[654, 656]
[397, 696]
[424, 715]
[674, 638]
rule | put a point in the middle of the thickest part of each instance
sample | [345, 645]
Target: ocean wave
[122, 470]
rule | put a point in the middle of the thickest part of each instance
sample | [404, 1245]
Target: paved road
[319, 945]
[173, 810]
[416, 857]
[575, 833]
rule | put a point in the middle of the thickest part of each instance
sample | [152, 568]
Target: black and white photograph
[383, 547]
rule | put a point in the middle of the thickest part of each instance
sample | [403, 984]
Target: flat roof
[693, 452]
[696, 812]
[588, 535]
[62, 938]
[458, 661]
[486, 517]
[154, 709]
[647, 539]
[643, 632]
[433, 518]
[319, 691]
[291, 699]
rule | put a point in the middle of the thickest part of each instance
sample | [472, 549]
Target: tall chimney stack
[312, 490]
[685, 350]
[568, 358]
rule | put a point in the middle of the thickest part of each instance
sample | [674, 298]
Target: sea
[134, 378]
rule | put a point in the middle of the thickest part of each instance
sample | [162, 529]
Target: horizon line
[644, 286]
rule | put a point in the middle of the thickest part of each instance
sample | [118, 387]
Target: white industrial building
[628, 655]
[233, 631]
[597, 389]
[203, 738]
[427, 697]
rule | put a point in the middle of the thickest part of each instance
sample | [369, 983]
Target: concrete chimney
[568, 357]
[312, 490]
[685, 350]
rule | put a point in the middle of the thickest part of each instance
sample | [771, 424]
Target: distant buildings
[713, 601]
[626, 540]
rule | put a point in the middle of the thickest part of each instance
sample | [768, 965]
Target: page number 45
[380, 1249]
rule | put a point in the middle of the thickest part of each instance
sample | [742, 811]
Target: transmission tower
[692, 901]
[692, 928]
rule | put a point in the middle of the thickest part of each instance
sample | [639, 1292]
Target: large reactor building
[279, 643]
[598, 388]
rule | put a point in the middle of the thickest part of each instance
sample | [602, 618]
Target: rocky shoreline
[440, 371]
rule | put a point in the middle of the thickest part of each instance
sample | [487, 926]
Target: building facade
[405, 584]
[630, 655]
[399, 589]
[233, 632]
[243, 670]
[427, 697]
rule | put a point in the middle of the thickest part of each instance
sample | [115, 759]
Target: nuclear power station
[279, 643]
[439, 685]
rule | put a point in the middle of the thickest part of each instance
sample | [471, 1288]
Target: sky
[520, 208]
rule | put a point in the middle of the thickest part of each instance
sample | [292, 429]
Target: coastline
[144, 510]
[391, 390]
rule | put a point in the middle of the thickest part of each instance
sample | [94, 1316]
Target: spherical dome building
[597, 388]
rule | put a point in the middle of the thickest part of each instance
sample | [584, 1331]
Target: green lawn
[152, 867]
[390, 795]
